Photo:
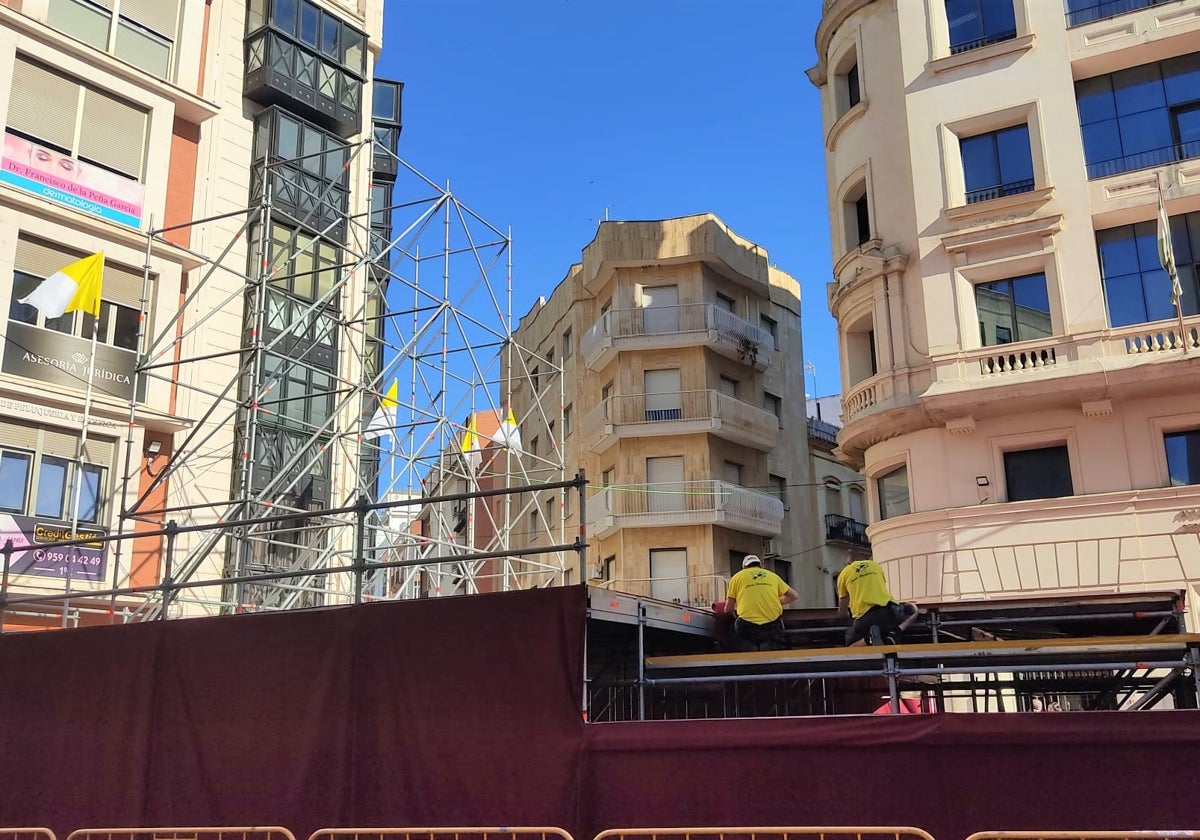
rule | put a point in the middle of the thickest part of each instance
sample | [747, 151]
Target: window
[567, 345]
[1136, 287]
[536, 376]
[771, 326]
[856, 505]
[1140, 117]
[608, 567]
[534, 447]
[606, 477]
[301, 264]
[120, 306]
[141, 32]
[664, 400]
[728, 385]
[606, 391]
[997, 163]
[567, 422]
[39, 468]
[977, 23]
[774, 404]
[82, 122]
[306, 168]
[1183, 457]
[779, 489]
[856, 216]
[1043, 473]
[306, 23]
[299, 396]
[853, 97]
[14, 480]
[1086, 11]
[833, 496]
[893, 493]
[727, 303]
[668, 574]
[732, 473]
[1012, 310]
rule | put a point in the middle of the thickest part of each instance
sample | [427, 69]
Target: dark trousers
[887, 618]
[750, 636]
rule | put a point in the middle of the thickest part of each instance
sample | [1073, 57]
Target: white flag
[1166, 252]
[383, 421]
[508, 434]
[470, 445]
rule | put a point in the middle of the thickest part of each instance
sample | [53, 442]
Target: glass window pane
[1031, 307]
[1146, 241]
[1145, 132]
[285, 15]
[1183, 457]
[383, 103]
[966, 23]
[1126, 304]
[1118, 251]
[309, 19]
[52, 487]
[89, 494]
[23, 284]
[1095, 100]
[287, 137]
[1102, 141]
[979, 162]
[1187, 129]
[143, 49]
[353, 50]
[1181, 79]
[1038, 473]
[1138, 89]
[893, 493]
[14, 480]
[1012, 149]
[64, 323]
[1156, 288]
[998, 17]
[329, 37]
[255, 15]
[80, 20]
[993, 305]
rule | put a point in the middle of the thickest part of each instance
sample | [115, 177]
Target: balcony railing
[680, 503]
[280, 70]
[993, 38]
[691, 591]
[1106, 11]
[1144, 160]
[843, 529]
[988, 193]
[677, 326]
[687, 412]
[822, 431]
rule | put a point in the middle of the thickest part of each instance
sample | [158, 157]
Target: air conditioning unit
[772, 549]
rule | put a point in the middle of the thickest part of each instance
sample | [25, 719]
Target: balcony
[684, 503]
[1144, 160]
[307, 60]
[1092, 12]
[386, 126]
[686, 413]
[306, 169]
[667, 327]
[844, 530]
[691, 591]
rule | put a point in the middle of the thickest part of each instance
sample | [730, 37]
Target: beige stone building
[1017, 387]
[667, 356]
[124, 117]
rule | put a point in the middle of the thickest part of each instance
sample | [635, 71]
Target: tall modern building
[661, 366]
[213, 152]
[1019, 389]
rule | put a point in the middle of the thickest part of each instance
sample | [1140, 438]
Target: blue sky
[542, 113]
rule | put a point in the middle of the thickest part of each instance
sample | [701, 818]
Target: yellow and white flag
[383, 420]
[508, 434]
[470, 444]
[75, 288]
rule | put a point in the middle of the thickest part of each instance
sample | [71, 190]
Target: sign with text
[71, 182]
[59, 359]
[28, 534]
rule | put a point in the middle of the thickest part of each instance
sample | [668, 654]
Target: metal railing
[748, 339]
[845, 529]
[847, 832]
[702, 590]
[633, 409]
[444, 833]
[676, 498]
[26, 834]
[1144, 160]
[272, 832]
[822, 431]
[993, 38]
[1000, 190]
[1106, 11]
[1080, 835]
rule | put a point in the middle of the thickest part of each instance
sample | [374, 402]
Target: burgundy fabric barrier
[463, 711]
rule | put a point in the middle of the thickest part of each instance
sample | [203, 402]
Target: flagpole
[78, 482]
[1167, 258]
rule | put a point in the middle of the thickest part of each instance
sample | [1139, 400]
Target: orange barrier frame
[27, 834]
[209, 832]
[845, 832]
[511, 832]
[1080, 835]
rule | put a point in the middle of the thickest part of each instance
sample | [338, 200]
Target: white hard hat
[751, 560]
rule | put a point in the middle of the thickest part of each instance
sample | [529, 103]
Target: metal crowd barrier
[847, 832]
[272, 832]
[511, 832]
[26, 834]
[1080, 835]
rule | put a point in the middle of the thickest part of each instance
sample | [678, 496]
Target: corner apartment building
[126, 116]
[671, 348]
[1017, 388]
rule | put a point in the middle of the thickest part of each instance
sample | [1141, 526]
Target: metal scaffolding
[418, 301]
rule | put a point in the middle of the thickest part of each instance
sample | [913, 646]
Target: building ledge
[843, 122]
[952, 62]
[966, 215]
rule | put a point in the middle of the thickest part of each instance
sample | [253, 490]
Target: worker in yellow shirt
[758, 596]
[863, 595]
